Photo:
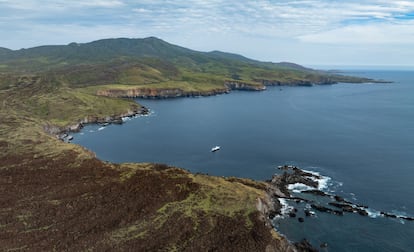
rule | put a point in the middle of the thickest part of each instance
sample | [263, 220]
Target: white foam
[309, 208]
[101, 128]
[323, 181]
[400, 214]
[286, 209]
[373, 213]
[299, 187]
[150, 113]
[126, 118]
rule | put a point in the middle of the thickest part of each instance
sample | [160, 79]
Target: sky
[307, 32]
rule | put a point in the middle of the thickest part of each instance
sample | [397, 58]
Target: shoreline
[149, 92]
[280, 192]
[268, 207]
[59, 132]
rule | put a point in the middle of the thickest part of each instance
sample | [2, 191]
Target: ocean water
[360, 136]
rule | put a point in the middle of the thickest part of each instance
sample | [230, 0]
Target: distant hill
[4, 50]
[146, 61]
[110, 49]
[4, 53]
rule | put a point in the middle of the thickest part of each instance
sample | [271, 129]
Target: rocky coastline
[165, 93]
[278, 189]
[228, 86]
[61, 132]
[306, 83]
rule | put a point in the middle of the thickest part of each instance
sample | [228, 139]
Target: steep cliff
[159, 93]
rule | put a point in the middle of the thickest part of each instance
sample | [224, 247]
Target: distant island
[59, 196]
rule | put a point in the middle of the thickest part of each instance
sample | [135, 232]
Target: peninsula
[59, 196]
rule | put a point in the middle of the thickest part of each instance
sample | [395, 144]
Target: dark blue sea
[360, 137]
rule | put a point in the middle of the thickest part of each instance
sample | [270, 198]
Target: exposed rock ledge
[277, 188]
[117, 119]
[324, 81]
[239, 85]
[161, 93]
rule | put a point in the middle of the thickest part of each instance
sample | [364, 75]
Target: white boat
[215, 148]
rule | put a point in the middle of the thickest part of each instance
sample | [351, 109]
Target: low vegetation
[58, 196]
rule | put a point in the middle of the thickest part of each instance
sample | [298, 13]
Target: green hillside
[151, 60]
[70, 78]
[58, 196]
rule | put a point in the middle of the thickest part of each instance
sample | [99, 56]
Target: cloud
[382, 33]
[204, 24]
[39, 6]
[101, 3]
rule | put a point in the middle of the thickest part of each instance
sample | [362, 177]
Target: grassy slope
[57, 196]
[152, 63]
[51, 101]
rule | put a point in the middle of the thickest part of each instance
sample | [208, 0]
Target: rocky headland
[278, 188]
[115, 119]
[57, 196]
[164, 93]
[306, 83]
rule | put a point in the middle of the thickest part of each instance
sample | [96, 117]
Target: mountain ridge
[143, 62]
[105, 49]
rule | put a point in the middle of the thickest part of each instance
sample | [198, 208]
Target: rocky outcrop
[76, 127]
[163, 93]
[293, 82]
[278, 188]
[304, 245]
[292, 175]
[239, 85]
[158, 93]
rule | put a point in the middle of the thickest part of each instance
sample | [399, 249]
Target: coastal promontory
[57, 195]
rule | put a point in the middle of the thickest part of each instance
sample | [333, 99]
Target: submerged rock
[315, 192]
[344, 207]
[362, 212]
[305, 245]
[389, 215]
[326, 210]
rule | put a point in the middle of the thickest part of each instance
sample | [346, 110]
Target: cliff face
[159, 93]
[117, 119]
[239, 85]
[228, 86]
[322, 81]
